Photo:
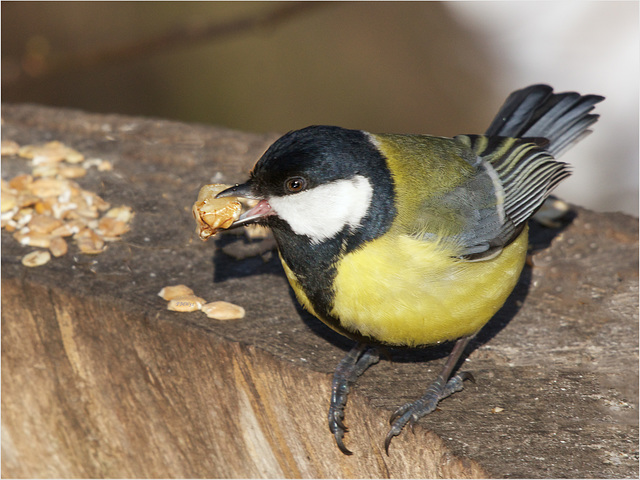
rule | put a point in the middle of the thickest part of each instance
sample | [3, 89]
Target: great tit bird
[411, 240]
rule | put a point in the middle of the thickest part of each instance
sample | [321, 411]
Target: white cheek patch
[323, 211]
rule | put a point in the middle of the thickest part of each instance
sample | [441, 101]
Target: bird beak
[253, 215]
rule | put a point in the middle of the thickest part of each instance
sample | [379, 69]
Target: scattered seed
[44, 223]
[110, 227]
[26, 200]
[72, 172]
[101, 165]
[35, 259]
[41, 207]
[174, 291]
[82, 211]
[105, 166]
[9, 147]
[22, 217]
[45, 171]
[33, 239]
[74, 156]
[89, 242]
[186, 303]
[40, 152]
[68, 228]
[47, 187]
[52, 151]
[9, 201]
[58, 246]
[21, 182]
[98, 202]
[123, 214]
[44, 207]
[223, 311]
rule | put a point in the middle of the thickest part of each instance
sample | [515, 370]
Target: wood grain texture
[100, 380]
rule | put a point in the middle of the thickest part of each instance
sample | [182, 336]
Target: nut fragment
[35, 259]
[123, 214]
[47, 187]
[68, 228]
[52, 151]
[45, 170]
[44, 223]
[21, 182]
[174, 291]
[33, 239]
[22, 217]
[58, 246]
[102, 165]
[186, 303]
[9, 147]
[89, 242]
[72, 172]
[105, 166]
[44, 207]
[223, 310]
[25, 199]
[95, 201]
[213, 214]
[8, 201]
[110, 227]
[40, 211]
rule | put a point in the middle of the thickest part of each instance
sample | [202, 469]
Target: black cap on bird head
[319, 154]
[319, 180]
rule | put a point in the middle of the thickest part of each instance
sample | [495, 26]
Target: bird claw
[399, 412]
[412, 423]
[338, 417]
[349, 369]
[411, 412]
[336, 424]
[467, 376]
[387, 441]
[339, 437]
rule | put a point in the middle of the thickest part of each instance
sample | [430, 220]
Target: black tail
[536, 112]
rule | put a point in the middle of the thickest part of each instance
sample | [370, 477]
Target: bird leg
[441, 388]
[359, 358]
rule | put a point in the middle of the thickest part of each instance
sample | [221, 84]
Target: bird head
[317, 182]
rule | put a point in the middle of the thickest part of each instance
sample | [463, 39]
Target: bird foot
[411, 412]
[347, 372]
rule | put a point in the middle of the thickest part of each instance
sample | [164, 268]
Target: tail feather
[515, 114]
[562, 119]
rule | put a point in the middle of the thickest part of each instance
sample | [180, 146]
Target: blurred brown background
[417, 67]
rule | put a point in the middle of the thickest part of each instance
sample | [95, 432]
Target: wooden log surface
[100, 380]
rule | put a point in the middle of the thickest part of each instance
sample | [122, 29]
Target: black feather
[536, 112]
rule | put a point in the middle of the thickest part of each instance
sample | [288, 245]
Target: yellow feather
[297, 289]
[405, 291]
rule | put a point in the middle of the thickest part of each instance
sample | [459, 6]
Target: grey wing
[516, 164]
[513, 178]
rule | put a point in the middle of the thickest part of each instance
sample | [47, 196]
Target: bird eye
[295, 184]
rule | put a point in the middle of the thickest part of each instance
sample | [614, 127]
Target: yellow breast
[405, 291]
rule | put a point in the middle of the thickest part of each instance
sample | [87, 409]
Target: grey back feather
[517, 154]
